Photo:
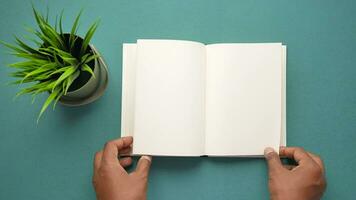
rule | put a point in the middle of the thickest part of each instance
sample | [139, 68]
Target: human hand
[110, 179]
[306, 181]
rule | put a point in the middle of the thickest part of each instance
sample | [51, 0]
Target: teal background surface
[53, 159]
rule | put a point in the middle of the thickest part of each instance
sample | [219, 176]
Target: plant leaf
[74, 30]
[70, 80]
[23, 65]
[19, 74]
[48, 101]
[33, 40]
[57, 98]
[61, 52]
[66, 74]
[47, 14]
[37, 72]
[25, 46]
[19, 82]
[56, 23]
[13, 47]
[62, 69]
[55, 36]
[61, 25]
[36, 14]
[29, 56]
[92, 57]
[83, 58]
[85, 67]
[88, 37]
[34, 88]
[73, 43]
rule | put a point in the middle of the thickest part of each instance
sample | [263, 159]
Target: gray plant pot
[91, 90]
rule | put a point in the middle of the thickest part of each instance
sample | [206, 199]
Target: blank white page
[128, 89]
[284, 97]
[170, 98]
[243, 102]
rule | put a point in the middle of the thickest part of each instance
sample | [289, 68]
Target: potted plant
[64, 65]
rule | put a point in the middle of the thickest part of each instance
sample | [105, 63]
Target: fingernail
[268, 150]
[149, 158]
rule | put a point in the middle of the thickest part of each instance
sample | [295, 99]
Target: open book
[183, 98]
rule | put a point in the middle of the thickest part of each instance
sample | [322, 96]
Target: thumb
[273, 161]
[143, 165]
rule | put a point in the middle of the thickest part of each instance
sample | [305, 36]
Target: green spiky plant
[56, 61]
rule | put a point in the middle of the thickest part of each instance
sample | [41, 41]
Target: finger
[113, 148]
[123, 159]
[97, 160]
[126, 152]
[289, 167]
[143, 166]
[273, 161]
[296, 153]
[318, 161]
[125, 162]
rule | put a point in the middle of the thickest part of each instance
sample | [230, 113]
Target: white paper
[174, 115]
[243, 102]
[170, 97]
[128, 89]
[284, 95]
